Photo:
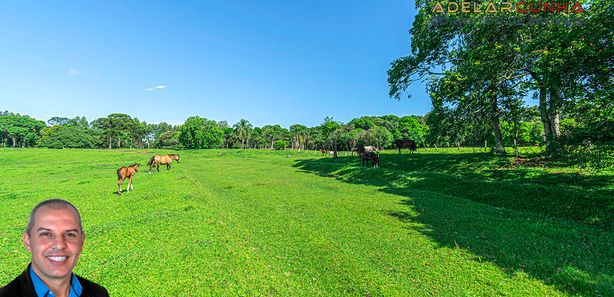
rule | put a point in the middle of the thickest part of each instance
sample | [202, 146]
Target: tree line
[123, 131]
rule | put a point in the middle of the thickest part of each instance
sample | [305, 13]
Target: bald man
[54, 236]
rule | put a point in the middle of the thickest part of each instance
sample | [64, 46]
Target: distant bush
[280, 144]
[65, 137]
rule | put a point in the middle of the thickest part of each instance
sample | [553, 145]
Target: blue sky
[271, 62]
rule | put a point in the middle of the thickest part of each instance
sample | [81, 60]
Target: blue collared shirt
[43, 291]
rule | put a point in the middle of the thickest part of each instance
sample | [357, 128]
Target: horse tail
[151, 160]
[119, 173]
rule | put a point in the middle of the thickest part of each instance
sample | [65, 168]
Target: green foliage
[529, 133]
[272, 133]
[592, 121]
[481, 65]
[61, 121]
[298, 133]
[411, 128]
[587, 155]
[19, 131]
[242, 132]
[280, 144]
[168, 139]
[119, 130]
[200, 133]
[65, 137]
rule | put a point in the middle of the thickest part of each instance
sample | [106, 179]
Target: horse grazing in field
[323, 151]
[126, 172]
[406, 143]
[162, 159]
[370, 156]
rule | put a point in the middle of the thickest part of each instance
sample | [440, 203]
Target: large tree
[19, 131]
[200, 133]
[492, 59]
[113, 127]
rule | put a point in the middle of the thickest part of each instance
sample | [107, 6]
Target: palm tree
[298, 136]
[242, 129]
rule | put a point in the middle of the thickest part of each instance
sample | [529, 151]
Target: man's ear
[25, 238]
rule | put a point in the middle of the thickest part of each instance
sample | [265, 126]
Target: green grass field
[281, 223]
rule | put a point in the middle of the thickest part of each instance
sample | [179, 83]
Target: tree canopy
[478, 66]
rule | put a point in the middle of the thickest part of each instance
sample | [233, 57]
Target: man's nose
[59, 243]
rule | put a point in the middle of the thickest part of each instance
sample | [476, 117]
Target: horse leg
[168, 166]
[119, 184]
[158, 166]
[130, 186]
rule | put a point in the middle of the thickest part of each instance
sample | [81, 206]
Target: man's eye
[45, 234]
[71, 235]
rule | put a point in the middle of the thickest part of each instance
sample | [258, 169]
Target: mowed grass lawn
[282, 223]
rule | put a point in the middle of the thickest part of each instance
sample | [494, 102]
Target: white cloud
[74, 72]
[158, 87]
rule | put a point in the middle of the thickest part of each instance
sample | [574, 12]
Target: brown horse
[162, 159]
[126, 172]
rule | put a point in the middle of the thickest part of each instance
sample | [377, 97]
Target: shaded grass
[253, 223]
[554, 224]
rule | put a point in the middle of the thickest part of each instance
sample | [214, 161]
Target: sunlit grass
[237, 222]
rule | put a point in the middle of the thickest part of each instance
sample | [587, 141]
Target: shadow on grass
[554, 226]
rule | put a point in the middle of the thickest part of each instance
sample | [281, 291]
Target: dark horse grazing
[406, 143]
[126, 172]
[370, 156]
[162, 159]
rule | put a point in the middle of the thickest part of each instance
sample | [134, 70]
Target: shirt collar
[43, 291]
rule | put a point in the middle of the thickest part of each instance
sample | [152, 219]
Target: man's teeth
[57, 259]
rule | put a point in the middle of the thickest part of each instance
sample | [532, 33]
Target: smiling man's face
[55, 241]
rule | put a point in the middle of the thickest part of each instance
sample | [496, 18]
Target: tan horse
[162, 159]
[126, 172]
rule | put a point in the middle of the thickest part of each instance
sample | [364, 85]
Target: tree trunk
[335, 148]
[110, 141]
[546, 119]
[550, 113]
[555, 113]
[496, 125]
